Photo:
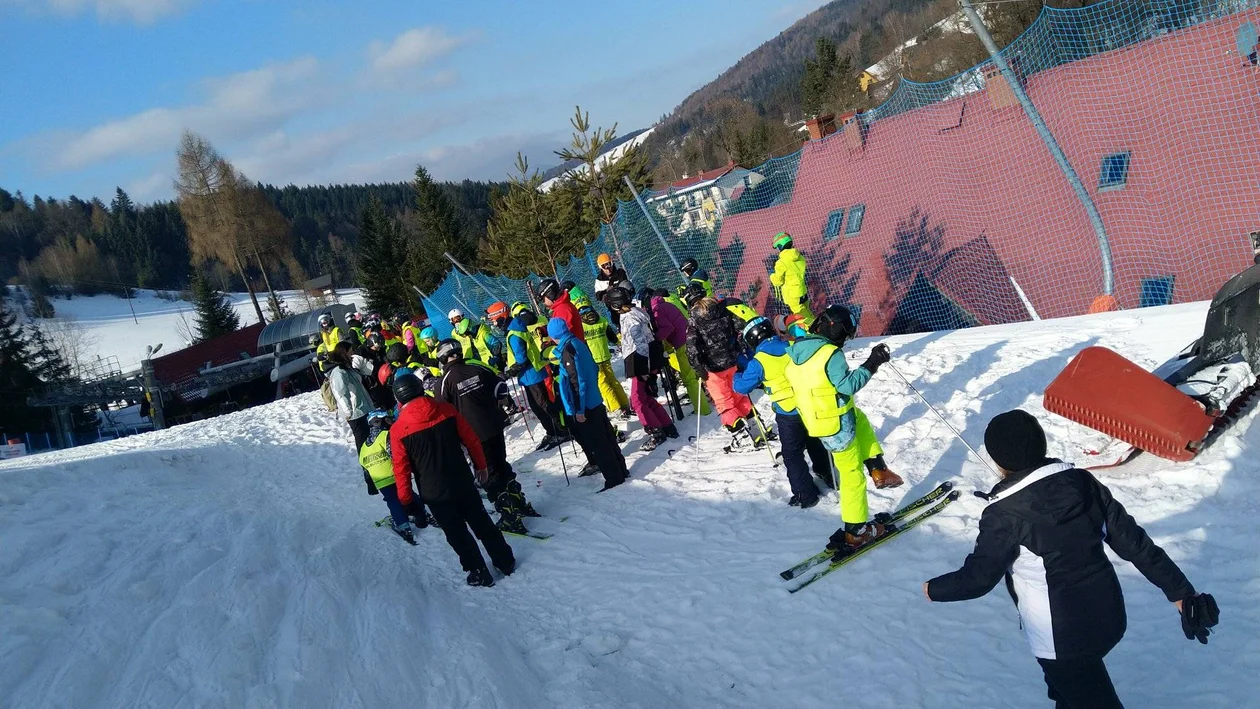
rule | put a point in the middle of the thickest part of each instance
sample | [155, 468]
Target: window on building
[835, 220]
[1115, 171]
[1156, 291]
[856, 214]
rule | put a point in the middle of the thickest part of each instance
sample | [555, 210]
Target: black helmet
[589, 315]
[449, 350]
[689, 267]
[375, 341]
[396, 353]
[758, 330]
[617, 298]
[836, 323]
[407, 386]
[694, 294]
[567, 285]
[549, 289]
[645, 296]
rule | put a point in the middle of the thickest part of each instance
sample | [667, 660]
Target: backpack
[326, 393]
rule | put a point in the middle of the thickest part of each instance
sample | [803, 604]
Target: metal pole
[127, 292]
[155, 394]
[467, 272]
[942, 418]
[659, 235]
[1095, 219]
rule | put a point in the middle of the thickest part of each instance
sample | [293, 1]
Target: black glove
[516, 370]
[373, 491]
[879, 355]
[1199, 615]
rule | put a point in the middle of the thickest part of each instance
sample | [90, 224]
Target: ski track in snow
[233, 563]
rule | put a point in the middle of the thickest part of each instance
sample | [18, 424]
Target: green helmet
[783, 241]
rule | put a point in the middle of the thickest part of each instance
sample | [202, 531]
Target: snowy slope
[112, 331]
[233, 563]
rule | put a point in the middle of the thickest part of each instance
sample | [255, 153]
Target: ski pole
[765, 435]
[942, 418]
[563, 467]
[524, 406]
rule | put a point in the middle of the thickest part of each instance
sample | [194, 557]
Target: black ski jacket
[713, 339]
[1043, 531]
[475, 392]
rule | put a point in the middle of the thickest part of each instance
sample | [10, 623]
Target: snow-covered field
[233, 563]
[110, 329]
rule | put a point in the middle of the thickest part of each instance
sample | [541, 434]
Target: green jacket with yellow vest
[767, 369]
[824, 388]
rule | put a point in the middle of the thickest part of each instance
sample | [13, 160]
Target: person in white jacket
[642, 362]
[345, 376]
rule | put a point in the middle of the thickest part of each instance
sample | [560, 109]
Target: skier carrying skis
[579, 392]
[477, 394]
[766, 370]
[376, 459]
[525, 362]
[1043, 531]
[714, 350]
[598, 334]
[820, 372]
[428, 442]
[643, 357]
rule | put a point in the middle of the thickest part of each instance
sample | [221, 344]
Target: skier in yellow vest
[598, 333]
[825, 388]
[788, 278]
[376, 458]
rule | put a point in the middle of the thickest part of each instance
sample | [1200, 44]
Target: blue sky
[96, 92]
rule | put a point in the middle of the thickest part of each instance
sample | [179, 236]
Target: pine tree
[382, 261]
[441, 230]
[530, 230]
[215, 316]
[276, 309]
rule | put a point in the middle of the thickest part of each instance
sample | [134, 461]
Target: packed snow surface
[234, 563]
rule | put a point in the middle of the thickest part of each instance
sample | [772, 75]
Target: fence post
[659, 235]
[155, 394]
[1095, 219]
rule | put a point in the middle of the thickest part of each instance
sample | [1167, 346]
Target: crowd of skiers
[420, 408]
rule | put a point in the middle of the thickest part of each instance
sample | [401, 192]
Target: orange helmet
[497, 309]
[603, 259]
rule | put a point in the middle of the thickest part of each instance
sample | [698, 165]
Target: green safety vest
[531, 350]
[744, 313]
[817, 400]
[597, 340]
[775, 381]
[375, 458]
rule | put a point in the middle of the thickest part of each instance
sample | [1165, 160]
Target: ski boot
[885, 478]
[855, 534]
[404, 531]
[621, 436]
[510, 506]
[588, 470]
[671, 431]
[480, 577]
[654, 439]
[507, 568]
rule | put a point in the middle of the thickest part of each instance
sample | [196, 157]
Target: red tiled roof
[702, 176]
[183, 364]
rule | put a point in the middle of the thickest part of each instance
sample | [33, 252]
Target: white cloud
[157, 186]
[412, 49]
[140, 11]
[236, 106]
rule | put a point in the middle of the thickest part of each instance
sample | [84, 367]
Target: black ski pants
[1079, 684]
[599, 441]
[796, 442]
[462, 510]
[359, 429]
[546, 410]
[501, 473]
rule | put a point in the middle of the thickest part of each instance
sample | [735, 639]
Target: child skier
[1044, 531]
[477, 393]
[525, 362]
[375, 457]
[766, 370]
[598, 334]
[820, 373]
[643, 357]
[671, 329]
[714, 350]
[788, 277]
[428, 442]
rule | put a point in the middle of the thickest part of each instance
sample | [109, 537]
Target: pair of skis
[905, 518]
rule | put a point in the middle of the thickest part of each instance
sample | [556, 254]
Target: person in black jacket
[477, 394]
[1043, 531]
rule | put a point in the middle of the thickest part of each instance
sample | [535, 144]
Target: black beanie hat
[1015, 441]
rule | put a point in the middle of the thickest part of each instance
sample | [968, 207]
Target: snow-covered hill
[233, 563]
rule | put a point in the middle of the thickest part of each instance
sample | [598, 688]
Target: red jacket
[425, 441]
[563, 308]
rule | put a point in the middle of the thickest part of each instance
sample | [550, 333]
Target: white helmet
[455, 313]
